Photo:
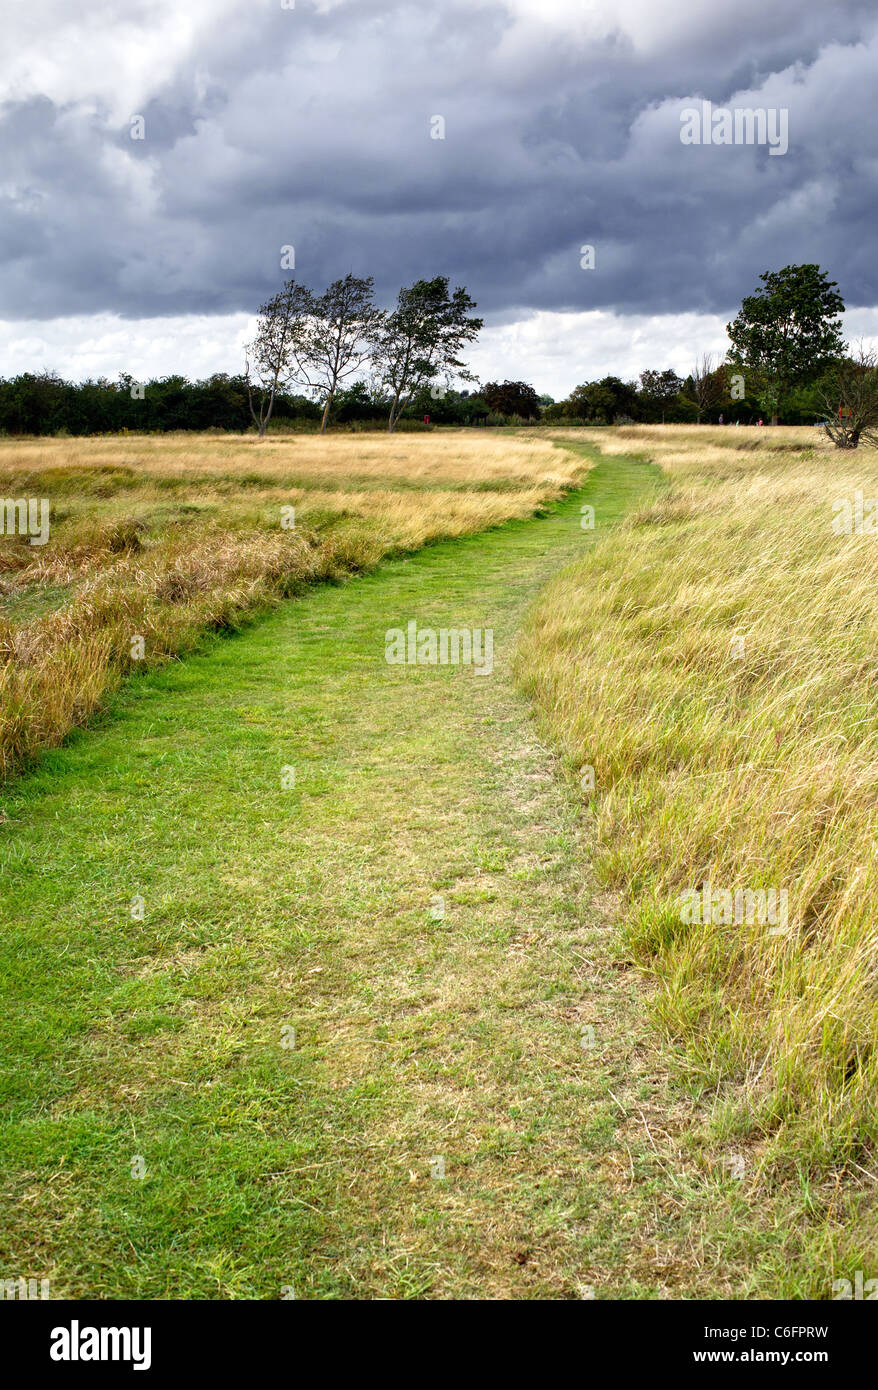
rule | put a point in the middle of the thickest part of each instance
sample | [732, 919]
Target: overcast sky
[310, 127]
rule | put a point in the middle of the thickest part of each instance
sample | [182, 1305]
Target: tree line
[43, 403]
[337, 359]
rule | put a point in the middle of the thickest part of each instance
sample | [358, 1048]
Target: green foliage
[602, 401]
[788, 331]
[41, 403]
[515, 398]
[657, 394]
[341, 334]
[421, 340]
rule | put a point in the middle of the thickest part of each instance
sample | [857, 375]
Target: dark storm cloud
[311, 127]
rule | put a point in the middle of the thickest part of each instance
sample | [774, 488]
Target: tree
[707, 383]
[601, 400]
[658, 390]
[788, 330]
[421, 339]
[219, 402]
[512, 398]
[279, 348]
[355, 403]
[850, 395]
[341, 334]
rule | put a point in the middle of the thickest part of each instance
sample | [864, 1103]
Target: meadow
[167, 537]
[427, 1018]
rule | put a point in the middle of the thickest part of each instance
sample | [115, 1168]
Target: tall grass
[715, 661]
[447, 459]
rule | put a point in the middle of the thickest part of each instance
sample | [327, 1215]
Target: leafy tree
[343, 326]
[355, 403]
[602, 400]
[512, 398]
[422, 339]
[278, 350]
[164, 405]
[218, 403]
[586, 399]
[658, 391]
[789, 330]
[474, 408]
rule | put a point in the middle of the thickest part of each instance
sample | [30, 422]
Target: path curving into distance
[340, 989]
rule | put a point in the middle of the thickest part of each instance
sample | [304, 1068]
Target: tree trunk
[325, 414]
[265, 413]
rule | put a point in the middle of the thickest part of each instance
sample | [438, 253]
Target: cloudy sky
[311, 123]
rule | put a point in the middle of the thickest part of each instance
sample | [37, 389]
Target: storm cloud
[312, 126]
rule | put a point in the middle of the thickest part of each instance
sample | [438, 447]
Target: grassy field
[715, 661]
[328, 977]
[167, 537]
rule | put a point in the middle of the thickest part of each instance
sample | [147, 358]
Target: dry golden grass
[165, 537]
[447, 458]
[715, 661]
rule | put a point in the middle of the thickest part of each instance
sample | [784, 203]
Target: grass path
[505, 1037]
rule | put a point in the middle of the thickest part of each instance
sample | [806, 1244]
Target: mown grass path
[504, 1038]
